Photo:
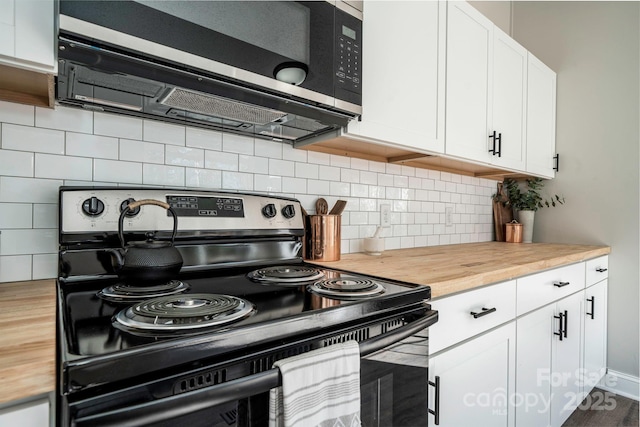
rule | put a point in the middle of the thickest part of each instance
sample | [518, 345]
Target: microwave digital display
[346, 31]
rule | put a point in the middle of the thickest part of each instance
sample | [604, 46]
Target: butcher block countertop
[454, 268]
[28, 339]
[27, 309]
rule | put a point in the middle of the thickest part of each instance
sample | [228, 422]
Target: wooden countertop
[455, 268]
[27, 309]
[28, 339]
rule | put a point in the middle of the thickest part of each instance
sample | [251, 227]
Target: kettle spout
[116, 258]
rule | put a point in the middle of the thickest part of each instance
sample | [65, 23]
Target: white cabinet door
[566, 352]
[533, 370]
[27, 35]
[32, 414]
[469, 91]
[595, 335]
[541, 118]
[475, 381]
[403, 74]
[509, 97]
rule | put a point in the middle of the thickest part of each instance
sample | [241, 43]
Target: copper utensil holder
[322, 238]
[513, 232]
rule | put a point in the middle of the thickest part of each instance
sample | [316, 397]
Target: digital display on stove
[225, 207]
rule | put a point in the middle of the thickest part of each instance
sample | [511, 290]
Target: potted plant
[525, 200]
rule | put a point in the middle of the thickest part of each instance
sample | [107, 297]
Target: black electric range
[243, 299]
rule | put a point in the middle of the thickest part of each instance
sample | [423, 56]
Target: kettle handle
[137, 203]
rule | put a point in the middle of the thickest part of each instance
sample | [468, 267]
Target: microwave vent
[220, 107]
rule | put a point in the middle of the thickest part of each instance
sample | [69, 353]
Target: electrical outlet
[385, 215]
[448, 216]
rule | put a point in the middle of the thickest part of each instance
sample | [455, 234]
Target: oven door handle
[186, 403]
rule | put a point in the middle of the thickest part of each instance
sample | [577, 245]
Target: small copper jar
[513, 232]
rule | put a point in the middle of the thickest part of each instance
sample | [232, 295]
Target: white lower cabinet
[491, 368]
[473, 381]
[30, 414]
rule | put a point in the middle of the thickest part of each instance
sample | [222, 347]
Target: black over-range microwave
[280, 69]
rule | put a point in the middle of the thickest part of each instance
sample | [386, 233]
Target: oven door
[275, 41]
[393, 387]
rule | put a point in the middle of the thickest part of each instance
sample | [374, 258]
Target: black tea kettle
[148, 262]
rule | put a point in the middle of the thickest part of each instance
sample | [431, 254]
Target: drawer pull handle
[601, 270]
[436, 412]
[561, 284]
[484, 312]
[592, 300]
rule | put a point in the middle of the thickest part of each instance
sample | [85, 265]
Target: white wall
[41, 149]
[594, 48]
[499, 12]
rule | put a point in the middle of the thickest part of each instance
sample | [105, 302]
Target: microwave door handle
[182, 404]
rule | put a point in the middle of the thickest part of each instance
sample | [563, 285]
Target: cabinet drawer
[455, 321]
[542, 288]
[597, 270]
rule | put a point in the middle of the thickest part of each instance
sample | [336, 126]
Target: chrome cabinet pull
[561, 284]
[436, 412]
[484, 312]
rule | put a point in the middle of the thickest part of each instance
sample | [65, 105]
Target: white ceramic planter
[526, 219]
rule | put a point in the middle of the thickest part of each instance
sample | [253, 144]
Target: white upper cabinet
[27, 34]
[541, 119]
[403, 75]
[486, 90]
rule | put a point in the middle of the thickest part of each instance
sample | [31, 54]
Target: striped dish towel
[319, 388]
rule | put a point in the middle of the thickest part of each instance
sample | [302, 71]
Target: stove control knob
[93, 206]
[288, 211]
[269, 211]
[132, 212]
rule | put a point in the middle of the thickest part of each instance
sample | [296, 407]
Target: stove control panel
[94, 209]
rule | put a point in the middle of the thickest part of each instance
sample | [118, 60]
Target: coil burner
[125, 293]
[181, 313]
[286, 275]
[347, 288]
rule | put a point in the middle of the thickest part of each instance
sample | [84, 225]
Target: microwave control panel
[348, 52]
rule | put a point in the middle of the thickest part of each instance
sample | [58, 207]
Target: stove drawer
[470, 313]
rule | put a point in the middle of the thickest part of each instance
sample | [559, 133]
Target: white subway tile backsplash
[237, 181]
[270, 149]
[117, 171]
[258, 165]
[15, 215]
[69, 119]
[45, 266]
[184, 156]
[117, 126]
[63, 167]
[24, 138]
[15, 268]
[139, 151]
[267, 183]
[295, 185]
[45, 215]
[17, 113]
[221, 161]
[282, 167]
[29, 190]
[28, 241]
[164, 133]
[232, 143]
[306, 170]
[203, 178]
[16, 163]
[173, 176]
[84, 145]
[105, 149]
[203, 138]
